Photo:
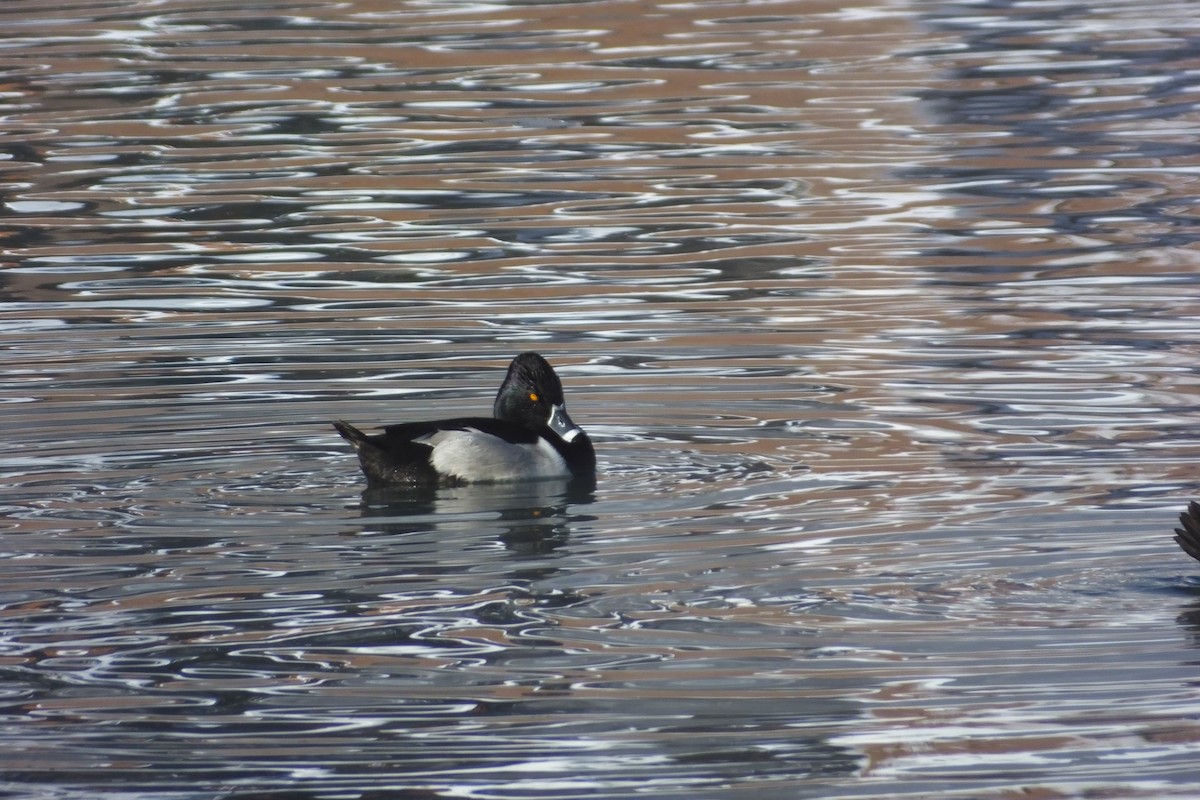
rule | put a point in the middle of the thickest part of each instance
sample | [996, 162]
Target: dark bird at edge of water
[1188, 534]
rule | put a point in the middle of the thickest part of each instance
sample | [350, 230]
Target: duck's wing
[421, 432]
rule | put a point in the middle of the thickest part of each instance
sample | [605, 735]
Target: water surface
[883, 320]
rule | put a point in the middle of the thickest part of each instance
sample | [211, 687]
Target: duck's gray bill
[561, 424]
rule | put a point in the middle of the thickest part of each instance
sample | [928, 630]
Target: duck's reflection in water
[528, 518]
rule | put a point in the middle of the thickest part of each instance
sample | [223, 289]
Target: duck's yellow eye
[533, 396]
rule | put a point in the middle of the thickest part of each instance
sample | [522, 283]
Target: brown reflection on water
[606, 98]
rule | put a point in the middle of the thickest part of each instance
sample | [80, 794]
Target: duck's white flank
[477, 457]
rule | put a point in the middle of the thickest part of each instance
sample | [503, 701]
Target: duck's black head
[532, 396]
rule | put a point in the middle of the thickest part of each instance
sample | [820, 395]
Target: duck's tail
[351, 434]
[380, 464]
[1188, 535]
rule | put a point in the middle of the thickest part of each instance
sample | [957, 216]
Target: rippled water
[883, 319]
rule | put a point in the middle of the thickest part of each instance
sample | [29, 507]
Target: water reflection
[1061, 169]
[529, 518]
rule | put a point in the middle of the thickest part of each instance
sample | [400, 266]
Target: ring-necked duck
[529, 438]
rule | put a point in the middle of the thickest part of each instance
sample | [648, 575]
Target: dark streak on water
[883, 318]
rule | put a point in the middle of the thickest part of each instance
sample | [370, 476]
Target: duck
[529, 437]
[1188, 535]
